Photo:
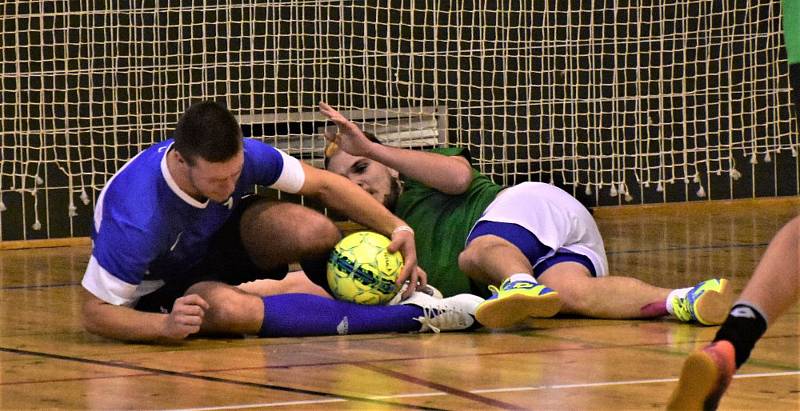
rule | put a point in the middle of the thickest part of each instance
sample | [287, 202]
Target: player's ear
[181, 160]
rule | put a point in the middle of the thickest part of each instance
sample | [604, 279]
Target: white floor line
[493, 390]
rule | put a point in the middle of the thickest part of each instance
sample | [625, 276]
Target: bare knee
[490, 259]
[278, 233]
[469, 260]
[317, 233]
[230, 310]
[575, 286]
[576, 300]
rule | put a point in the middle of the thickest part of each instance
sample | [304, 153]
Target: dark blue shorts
[533, 249]
[226, 261]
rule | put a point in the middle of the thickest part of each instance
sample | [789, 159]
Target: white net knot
[701, 192]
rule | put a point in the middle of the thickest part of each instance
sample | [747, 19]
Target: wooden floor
[47, 361]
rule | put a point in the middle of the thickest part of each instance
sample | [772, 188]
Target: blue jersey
[146, 230]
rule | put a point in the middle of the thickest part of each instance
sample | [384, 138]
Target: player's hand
[422, 278]
[350, 138]
[186, 317]
[403, 241]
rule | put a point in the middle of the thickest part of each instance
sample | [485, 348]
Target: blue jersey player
[175, 232]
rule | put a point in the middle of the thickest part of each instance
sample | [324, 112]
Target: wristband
[403, 228]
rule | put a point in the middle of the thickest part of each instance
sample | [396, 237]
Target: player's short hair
[331, 148]
[209, 131]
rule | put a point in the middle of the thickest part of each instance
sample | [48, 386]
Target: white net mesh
[614, 99]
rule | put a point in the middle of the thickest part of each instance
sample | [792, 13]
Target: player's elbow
[92, 315]
[463, 181]
[459, 183]
[89, 318]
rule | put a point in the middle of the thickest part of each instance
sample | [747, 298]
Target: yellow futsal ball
[362, 271]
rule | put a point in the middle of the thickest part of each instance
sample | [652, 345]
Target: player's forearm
[347, 198]
[450, 175]
[122, 323]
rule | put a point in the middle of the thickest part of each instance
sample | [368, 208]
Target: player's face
[216, 181]
[375, 178]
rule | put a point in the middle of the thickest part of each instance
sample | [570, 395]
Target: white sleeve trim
[292, 176]
[106, 287]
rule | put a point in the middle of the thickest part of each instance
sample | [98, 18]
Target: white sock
[522, 277]
[677, 293]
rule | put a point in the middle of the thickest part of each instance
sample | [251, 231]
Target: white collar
[174, 186]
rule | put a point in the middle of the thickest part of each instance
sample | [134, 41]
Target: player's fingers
[394, 246]
[401, 241]
[422, 276]
[181, 326]
[190, 320]
[328, 111]
[184, 331]
[191, 310]
[194, 299]
[330, 135]
[412, 284]
[409, 260]
[409, 275]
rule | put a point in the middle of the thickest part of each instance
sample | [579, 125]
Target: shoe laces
[494, 290]
[683, 309]
[444, 316]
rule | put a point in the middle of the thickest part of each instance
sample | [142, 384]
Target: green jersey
[442, 222]
[791, 29]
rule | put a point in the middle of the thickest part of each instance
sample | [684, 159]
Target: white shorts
[557, 219]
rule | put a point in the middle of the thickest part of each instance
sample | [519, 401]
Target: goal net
[619, 101]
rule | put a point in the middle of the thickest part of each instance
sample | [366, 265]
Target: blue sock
[299, 315]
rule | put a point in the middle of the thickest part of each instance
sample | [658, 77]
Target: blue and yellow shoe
[707, 303]
[515, 302]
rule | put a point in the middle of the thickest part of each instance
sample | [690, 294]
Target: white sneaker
[427, 289]
[446, 314]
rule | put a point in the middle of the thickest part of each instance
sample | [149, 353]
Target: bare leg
[775, 283]
[275, 233]
[294, 282]
[772, 289]
[230, 309]
[490, 260]
[610, 297]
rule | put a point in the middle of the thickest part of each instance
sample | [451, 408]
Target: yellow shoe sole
[713, 306]
[700, 386]
[515, 309]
